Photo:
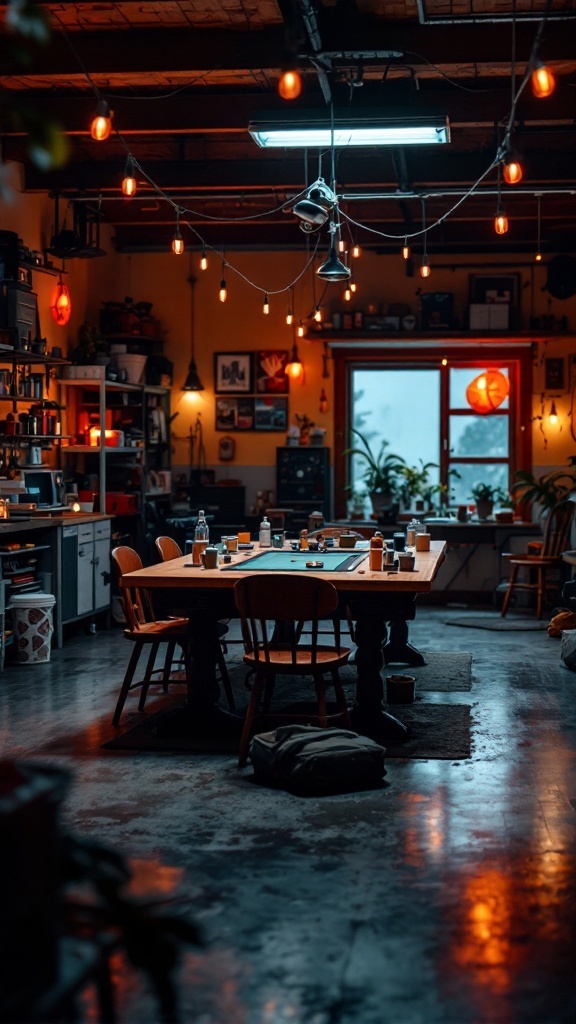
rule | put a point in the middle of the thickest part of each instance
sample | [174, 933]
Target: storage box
[90, 372]
[489, 316]
[118, 504]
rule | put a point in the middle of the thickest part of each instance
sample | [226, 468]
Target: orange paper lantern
[61, 305]
[487, 391]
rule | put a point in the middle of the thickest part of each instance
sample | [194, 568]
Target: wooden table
[381, 604]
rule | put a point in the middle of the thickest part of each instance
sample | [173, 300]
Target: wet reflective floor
[446, 897]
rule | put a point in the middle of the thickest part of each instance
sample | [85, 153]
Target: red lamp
[487, 391]
[61, 305]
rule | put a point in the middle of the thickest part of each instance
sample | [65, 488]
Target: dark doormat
[439, 732]
[496, 622]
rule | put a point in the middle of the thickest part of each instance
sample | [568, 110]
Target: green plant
[416, 481]
[546, 490]
[384, 470]
[91, 342]
[489, 492]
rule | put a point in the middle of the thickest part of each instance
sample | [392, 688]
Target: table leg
[398, 649]
[368, 716]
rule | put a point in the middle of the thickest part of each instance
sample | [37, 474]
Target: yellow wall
[239, 324]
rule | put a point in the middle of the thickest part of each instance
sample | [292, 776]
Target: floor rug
[497, 623]
[438, 732]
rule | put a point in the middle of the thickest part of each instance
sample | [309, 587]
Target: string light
[500, 220]
[425, 270]
[341, 245]
[223, 293]
[318, 315]
[61, 306]
[266, 306]
[406, 250]
[538, 253]
[203, 259]
[543, 80]
[101, 125]
[301, 330]
[129, 183]
[294, 368]
[512, 168]
[347, 293]
[553, 417]
[356, 251]
[290, 84]
[353, 285]
[177, 241]
[444, 361]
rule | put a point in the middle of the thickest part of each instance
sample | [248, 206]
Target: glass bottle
[265, 533]
[201, 531]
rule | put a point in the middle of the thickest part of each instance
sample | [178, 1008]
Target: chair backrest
[557, 529]
[136, 601]
[280, 598]
[168, 548]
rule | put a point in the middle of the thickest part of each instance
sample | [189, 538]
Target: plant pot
[400, 689]
[484, 509]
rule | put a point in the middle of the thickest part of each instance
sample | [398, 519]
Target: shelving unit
[121, 470]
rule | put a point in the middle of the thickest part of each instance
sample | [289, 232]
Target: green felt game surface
[295, 561]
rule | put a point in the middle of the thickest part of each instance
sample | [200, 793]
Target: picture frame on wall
[271, 413]
[234, 414]
[271, 377]
[495, 288]
[232, 373]
[554, 374]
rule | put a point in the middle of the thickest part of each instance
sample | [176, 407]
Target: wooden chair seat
[268, 602]
[145, 631]
[540, 558]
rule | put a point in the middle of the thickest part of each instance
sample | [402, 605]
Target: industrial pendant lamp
[61, 305]
[192, 382]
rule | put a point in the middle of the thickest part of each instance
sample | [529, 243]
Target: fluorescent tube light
[313, 130]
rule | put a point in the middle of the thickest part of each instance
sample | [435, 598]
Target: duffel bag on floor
[308, 759]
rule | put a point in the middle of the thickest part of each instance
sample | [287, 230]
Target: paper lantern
[61, 305]
[487, 391]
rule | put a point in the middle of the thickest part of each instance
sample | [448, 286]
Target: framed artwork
[271, 378]
[234, 414]
[232, 373]
[271, 413]
[554, 374]
[495, 288]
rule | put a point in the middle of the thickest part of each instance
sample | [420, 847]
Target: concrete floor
[446, 897]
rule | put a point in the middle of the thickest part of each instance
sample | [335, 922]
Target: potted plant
[383, 474]
[485, 495]
[416, 482]
[546, 490]
[93, 346]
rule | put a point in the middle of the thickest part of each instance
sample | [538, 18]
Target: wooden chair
[541, 557]
[268, 600]
[144, 630]
[167, 549]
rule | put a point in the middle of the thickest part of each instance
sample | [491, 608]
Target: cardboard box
[91, 372]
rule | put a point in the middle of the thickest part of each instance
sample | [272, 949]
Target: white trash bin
[33, 626]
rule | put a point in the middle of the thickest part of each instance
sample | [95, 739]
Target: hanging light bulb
[444, 361]
[425, 266]
[61, 305]
[223, 293]
[353, 285]
[356, 251]
[301, 330]
[538, 253]
[289, 317]
[341, 245]
[323, 405]
[203, 259]
[512, 171]
[347, 293]
[101, 125]
[177, 241]
[553, 417]
[543, 80]
[318, 315]
[406, 250]
[425, 269]
[500, 220]
[290, 84]
[294, 368]
[129, 183]
[266, 305]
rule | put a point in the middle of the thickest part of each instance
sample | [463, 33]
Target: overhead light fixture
[500, 220]
[543, 80]
[129, 183]
[315, 208]
[290, 84]
[294, 369]
[333, 269]
[553, 417]
[61, 305]
[296, 130]
[192, 382]
[101, 125]
[177, 241]
[512, 168]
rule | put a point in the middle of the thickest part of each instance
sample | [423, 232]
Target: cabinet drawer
[85, 532]
[102, 530]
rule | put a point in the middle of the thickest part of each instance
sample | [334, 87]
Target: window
[419, 407]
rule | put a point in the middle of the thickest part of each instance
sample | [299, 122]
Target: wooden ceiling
[185, 77]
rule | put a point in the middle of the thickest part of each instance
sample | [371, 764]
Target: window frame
[518, 359]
